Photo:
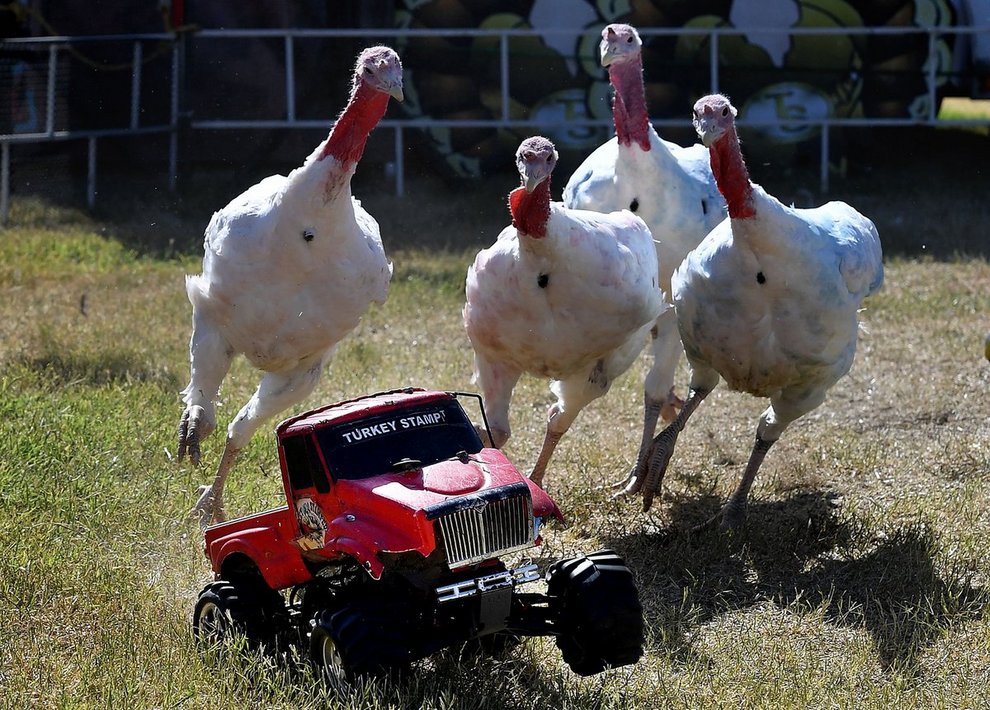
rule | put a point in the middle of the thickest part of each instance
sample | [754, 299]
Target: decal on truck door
[313, 524]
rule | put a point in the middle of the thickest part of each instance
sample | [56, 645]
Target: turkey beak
[703, 126]
[395, 91]
[606, 50]
[533, 173]
[532, 180]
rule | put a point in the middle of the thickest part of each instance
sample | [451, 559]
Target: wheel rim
[211, 622]
[331, 664]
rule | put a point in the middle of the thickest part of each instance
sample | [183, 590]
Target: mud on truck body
[389, 549]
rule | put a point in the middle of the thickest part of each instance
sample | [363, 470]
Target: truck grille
[489, 529]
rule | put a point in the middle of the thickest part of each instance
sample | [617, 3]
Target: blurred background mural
[553, 75]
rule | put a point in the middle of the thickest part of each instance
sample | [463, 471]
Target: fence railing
[55, 47]
[47, 129]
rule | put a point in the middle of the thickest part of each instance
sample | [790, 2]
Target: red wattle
[531, 210]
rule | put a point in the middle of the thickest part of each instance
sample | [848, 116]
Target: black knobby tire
[363, 638]
[598, 612]
[227, 608]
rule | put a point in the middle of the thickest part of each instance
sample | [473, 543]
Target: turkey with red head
[290, 266]
[669, 186]
[768, 302]
[562, 293]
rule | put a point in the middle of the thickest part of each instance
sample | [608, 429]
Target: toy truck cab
[396, 474]
[389, 547]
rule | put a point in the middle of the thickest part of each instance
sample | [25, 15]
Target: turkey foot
[208, 509]
[647, 480]
[654, 464]
[189, 434]
[733, 514]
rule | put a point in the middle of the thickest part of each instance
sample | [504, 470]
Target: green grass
[958, 108]
[861, 580]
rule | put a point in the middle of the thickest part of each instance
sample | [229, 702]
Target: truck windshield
[374, 445]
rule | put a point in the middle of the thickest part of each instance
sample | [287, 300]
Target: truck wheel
[362, 639]
[597, 609]
[225, 608]
[326, 658]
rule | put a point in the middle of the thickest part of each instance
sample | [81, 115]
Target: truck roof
[356, 408]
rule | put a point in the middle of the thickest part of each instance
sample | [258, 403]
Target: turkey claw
[647, 477]
[208, 509]
[632, 485]
[189, 434]
[624, 487]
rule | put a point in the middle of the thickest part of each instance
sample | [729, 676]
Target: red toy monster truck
[388, 549]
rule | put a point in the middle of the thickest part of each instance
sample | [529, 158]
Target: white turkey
[669, 186]
[565, 294]
[768, 302]
[290, 266]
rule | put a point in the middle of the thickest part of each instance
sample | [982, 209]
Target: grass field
[861, 579]
[959, 108]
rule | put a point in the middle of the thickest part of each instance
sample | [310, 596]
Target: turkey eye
[548, 158]
[725, 111]
[629, 40]
[308, 235]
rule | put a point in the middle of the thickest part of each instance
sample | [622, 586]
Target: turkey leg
[648, 475]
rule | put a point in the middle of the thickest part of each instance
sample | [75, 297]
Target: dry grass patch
[861, 579]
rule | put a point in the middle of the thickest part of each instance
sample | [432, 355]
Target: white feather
[795, 330]
[582, 328]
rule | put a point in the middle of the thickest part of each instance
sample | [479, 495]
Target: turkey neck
[350, 132]
[732, 176]
[531, 210]
[632, 121]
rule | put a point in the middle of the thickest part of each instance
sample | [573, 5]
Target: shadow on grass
[96, 369]
[456, 677]
[896, 592]
[802, 556]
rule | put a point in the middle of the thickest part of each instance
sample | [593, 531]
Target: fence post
[930, 76]
[823, 168]
[290, 80]
[136, 85]
[173, 139]
[400, 164]
[52, 68]
[713, 59]
[91, 174]
[503, 58]
[5, 183]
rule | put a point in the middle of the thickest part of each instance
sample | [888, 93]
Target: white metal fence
[49, 127]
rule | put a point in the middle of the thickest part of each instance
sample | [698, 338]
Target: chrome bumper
[490, 582]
